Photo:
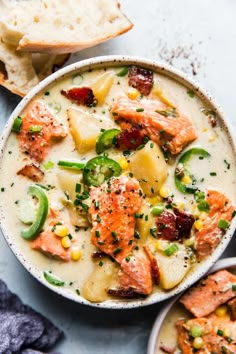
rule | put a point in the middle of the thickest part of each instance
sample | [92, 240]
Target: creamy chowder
[133, 167]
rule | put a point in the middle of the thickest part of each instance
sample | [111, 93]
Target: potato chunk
[97, 284]
[149, 167]
[85, 128]
[77, 214]
[102, 85]
[172, 268]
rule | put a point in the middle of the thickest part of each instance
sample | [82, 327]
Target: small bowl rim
[223, 263]
[161, 68]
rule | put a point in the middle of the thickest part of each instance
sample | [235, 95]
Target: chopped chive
[35, 129]
[78, 188]
[136, 235]
[17, 124]
[123, 71]
[138, 216]
[223, 224]
[191, 93]
[48, 165]
[96, 204]
[233, 213]
[171, 249]
[77, 291]
[100, 263]
[139, 109]
[127, 259]
[117, 250]
[97, 233]
[113, 233]
[153, 231]
[213, 173]
[219, 332]
[234, 287]
[98, 219]
[46, 93]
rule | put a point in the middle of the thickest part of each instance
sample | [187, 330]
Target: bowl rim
[223, 263]
[161, 68]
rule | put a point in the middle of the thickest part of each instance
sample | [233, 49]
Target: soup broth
[95, 269]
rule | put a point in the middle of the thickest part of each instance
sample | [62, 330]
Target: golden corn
[186, 179]
[227, 333]
[133, 94]
[164, 192]
[198, 343]
[189, 241]
[123, 163]
[157, 91]
[212, 138]
[61, 230]
[221, 311]
[75, 254]
[66, 242]
[198, 224]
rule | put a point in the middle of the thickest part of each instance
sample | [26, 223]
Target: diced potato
[149, 167]
[172, 268]
[85, 128]
[102, 86]
[145, 223]
[68, 180]
[97, 284]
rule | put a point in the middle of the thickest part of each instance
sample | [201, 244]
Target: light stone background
[196, 36]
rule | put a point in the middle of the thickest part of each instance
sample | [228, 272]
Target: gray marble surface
[196, 36]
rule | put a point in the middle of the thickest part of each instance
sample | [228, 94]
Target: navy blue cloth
[23, 330]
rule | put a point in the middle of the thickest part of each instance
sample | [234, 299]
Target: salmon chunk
[213, 335]
[211, 234]
[48, 243]
[216, 289]
[40, 129]
[136, 274]
[167, 127]
[112, 211]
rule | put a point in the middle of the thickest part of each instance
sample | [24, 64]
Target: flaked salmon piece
[47, 242]
[172, 130]
[210, 235]
[136, 274]
[216, 288]
[112, 211]
[40, 129]
[214, 339]
[32, 171]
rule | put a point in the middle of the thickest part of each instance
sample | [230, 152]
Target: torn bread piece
[60, 26]
[21, 71]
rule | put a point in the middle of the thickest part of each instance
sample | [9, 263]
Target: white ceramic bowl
[99, 62]
[153, 343]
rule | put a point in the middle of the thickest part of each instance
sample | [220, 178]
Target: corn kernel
[61, 230]
[164, 192]
[186, 179]
[123, 163]
[198, 343]
[154, 200]
[75, 254]
[66, 242]
[227, 333]
[221, 311]
[212, 138]
[180, 205]
[204, 130]
[198, 224]
[157, 91]
[133, 94]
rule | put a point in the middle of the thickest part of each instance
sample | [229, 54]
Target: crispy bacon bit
[232, 309]
[32, 171]
[154, 265]
[184, 223]
[173, 227]
[141, 79]
[212, 121]
[130, 139]
[129, 294]
[166, 227]
[80, 95]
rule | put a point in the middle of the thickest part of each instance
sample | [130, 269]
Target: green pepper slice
[99, 169]
[182, 169]
[41, 214]
[106, 140]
